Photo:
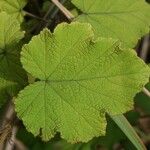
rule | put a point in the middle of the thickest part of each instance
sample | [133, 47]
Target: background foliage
[22, 22]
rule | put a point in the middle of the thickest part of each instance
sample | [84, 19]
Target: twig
[143, 55]
[37, 7]
[144, 51]
[55, 11]
[9, 113]
[34, 16]
[146, 91]
[19, 145]
[39, 27]
[50, 14]
[51, 7]
[10, 143]
[9, 118]
[65, 11]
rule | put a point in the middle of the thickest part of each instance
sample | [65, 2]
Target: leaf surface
[126, 20]
[12, 75]
[80, 80]
[14, 8]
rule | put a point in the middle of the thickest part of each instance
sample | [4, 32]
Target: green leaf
[12, 76]
[129, 131]
[126, 20]
[14, 8]
[80, 80]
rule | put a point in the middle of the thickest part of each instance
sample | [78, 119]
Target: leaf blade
[10, 34]
[124, 20]
[13, 8]
[80, 77]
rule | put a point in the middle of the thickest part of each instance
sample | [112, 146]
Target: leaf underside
[126, 20]
[80, 80]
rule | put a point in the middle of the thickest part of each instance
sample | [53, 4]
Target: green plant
[63, 83]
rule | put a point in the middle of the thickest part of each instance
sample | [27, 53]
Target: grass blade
[128, 130]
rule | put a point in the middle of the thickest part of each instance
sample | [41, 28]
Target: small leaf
[126, 20]
[12, 76]
[14, 8]
[80, 80]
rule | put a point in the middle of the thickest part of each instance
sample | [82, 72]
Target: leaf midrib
[92, 78]
[111, 13]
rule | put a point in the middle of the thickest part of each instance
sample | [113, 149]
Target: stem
[143, 55]
[9, 117]
[37, 7]
[144, 51]
[34, 16]
[57, 9]
[50, 14]
[146, 92]
[40, 26]
[65, 11]
[19, 145]
[49, 11]
[11, 143]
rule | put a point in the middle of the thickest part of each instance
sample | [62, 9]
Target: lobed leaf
[81, 78]
[14, 8]
[126, 20]
[12, 75]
